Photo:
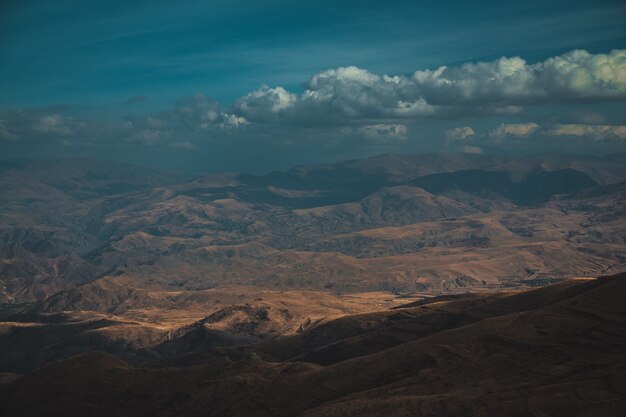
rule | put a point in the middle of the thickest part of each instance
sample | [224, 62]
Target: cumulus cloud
[199, 113]
[358, 93]
[579, 74]
[459, 133]
[473, 150]
[501, 86]
[576, 75]
[595, 132]
[55, 124]
[45, 124]
[196, 117]
[520, 130]
[379, 132]
[336, 96]
[196, 113]
[192, 119]
[344, 104]
[232, 121]
[265, 103]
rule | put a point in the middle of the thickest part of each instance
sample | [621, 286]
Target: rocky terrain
[400, 223]
[140, 325]
[557, 350]
[400, 282]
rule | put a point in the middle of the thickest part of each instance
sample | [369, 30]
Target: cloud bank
[532, 135]
[520, 130]
[595, 132]
[355, 105]
[501, 86]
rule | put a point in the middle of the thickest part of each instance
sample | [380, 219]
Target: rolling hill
[528, 353]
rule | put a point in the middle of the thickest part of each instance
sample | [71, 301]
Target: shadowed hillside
[530, 353]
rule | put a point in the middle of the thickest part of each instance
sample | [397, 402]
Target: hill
[529, 353]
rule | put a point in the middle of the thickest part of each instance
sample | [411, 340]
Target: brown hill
[553, 351]
[144, 324]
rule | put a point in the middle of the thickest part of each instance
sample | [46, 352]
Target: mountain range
[438, 284]
[64, 223]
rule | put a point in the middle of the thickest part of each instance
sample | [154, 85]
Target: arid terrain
[441, 284]
[397, 223]
[557, 350]
[337, 208]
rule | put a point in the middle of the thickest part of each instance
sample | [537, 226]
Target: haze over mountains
[396, 222]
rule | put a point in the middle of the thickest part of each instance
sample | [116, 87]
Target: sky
[200, 86]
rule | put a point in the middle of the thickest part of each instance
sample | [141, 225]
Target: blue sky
[87, 68]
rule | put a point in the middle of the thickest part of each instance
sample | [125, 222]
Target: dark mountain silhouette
[537, 188]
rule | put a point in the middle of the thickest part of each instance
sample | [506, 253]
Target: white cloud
[521, 130]
[579, 74]
[230, 121]
[349, 103]
[265, 103]
[196, 112]
[459, 133]
[595, 132]
[574, 75]
[55, 124]
[334, 96]
[495, 87]
[193, 119]
[380, 132]
[473, 150]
